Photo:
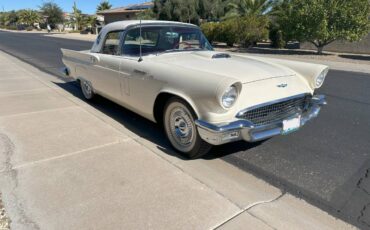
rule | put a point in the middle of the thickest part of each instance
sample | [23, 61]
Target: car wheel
[181, 130]
[87, 89]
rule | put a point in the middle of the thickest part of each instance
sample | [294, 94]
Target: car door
[136, 82]
[106, 69]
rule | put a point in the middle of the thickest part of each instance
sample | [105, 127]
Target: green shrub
[228, 32]
[221, 32]
[74, 31]
[252, 29]
[210, 30]
[245, 30]
[12, 27]
[277, 39]
[29, 28]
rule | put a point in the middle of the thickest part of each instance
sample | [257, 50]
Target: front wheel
[181, 130]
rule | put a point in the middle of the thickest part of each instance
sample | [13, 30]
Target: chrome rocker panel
[245, 130]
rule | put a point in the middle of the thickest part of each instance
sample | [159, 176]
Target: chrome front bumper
[245, 130]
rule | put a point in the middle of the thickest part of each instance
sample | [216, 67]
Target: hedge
[245, 30]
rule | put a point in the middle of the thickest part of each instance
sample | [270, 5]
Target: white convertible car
[169, 73]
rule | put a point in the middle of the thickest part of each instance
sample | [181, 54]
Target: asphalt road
[327, 162]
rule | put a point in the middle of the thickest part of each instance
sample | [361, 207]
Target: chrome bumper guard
[245, 130]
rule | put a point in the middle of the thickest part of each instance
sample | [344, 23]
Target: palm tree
[77, 17]
[29, 17]
[53, 12]
[88, 21]
[250, 7]
[104, 5]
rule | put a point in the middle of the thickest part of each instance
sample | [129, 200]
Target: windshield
[160, 39]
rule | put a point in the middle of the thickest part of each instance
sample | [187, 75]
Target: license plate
[291, 125]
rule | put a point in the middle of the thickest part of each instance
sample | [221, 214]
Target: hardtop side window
[149, 41]
[112, 43]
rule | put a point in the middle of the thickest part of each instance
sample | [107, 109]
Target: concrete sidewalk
[73, 36]
[66, 165]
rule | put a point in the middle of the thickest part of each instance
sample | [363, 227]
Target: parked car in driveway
[169, 73]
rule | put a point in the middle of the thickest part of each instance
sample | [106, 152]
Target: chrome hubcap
[87, 88]
[181, 126]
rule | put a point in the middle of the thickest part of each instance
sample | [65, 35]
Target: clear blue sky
[87, 6]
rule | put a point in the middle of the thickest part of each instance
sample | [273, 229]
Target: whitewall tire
[179, 124]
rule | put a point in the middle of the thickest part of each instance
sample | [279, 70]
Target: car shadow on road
[148, 129]
[231, 148]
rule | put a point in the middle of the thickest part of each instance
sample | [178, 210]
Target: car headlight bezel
[229, 97]
[319, 79]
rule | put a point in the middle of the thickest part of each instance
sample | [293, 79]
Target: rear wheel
[180, 128]
[87, 89]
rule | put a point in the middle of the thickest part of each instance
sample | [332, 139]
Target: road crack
[249, 208]
[362, 215]
[362, 187]
[7, 150]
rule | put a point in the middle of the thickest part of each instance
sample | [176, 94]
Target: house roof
[129, 8]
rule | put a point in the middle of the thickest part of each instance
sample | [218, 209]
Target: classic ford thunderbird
[169, 73]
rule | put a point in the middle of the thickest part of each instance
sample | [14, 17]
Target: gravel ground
[4, 219]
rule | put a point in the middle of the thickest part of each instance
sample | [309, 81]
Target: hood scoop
[221, 55]
[212, 55]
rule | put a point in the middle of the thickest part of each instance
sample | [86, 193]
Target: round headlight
[321, 78]
[229, 97]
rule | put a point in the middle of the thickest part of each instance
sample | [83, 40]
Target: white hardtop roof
[121, 25]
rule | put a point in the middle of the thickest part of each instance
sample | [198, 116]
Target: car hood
[242, 68]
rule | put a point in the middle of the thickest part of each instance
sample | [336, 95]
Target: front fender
[185, 97]
[308, 71]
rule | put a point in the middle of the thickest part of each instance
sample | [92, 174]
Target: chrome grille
[272, 113]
